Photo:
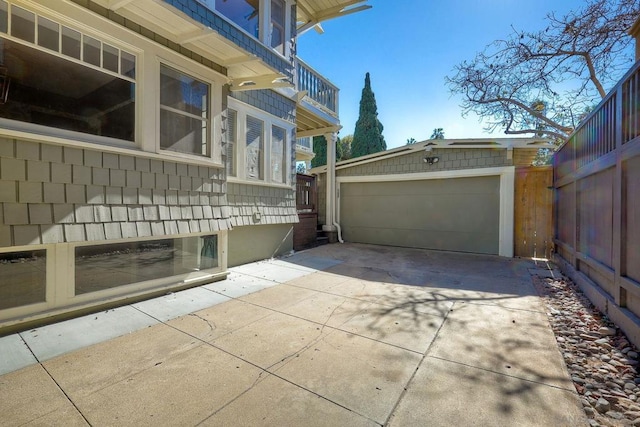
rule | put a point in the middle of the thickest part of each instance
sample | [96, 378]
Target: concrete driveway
[340, 335]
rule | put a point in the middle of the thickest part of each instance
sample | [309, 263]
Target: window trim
[243, 110]
[148, 55]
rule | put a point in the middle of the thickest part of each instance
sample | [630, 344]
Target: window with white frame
[184, 113]
[263, 153]
[56, 76]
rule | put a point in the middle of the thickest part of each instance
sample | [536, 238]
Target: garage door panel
[459, 214]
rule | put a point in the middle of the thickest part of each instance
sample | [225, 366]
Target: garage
[454, 214]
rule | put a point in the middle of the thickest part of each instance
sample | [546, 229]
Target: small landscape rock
[603, 406]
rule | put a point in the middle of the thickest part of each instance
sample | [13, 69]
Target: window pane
[71, 42]
[110, 58]
[4, 13]
[231, 135]
[91, 51]
[184, 113]
[52, 91]
[182, 134]
[127, 65]
[101, 267]
[254, 148]
[23, 278]
[183, 92]
[278, 160]
[23, 24]
[48, 34]
[245, 14]
[277, 25]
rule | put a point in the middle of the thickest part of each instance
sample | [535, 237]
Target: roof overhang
[244, 69]
[497, 143]
[311, 13]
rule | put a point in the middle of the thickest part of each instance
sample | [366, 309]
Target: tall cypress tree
[367, 138]
[320, 150]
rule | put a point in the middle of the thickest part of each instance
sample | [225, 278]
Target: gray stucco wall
[54, 194]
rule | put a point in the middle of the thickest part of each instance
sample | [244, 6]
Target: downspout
[331, 186]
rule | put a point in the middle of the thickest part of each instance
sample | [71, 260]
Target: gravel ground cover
[603, 364]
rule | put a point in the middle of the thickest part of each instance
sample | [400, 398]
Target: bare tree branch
[543, 82]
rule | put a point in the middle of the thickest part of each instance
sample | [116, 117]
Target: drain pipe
[332, 224]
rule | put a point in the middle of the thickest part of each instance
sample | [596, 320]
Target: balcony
[317, 87]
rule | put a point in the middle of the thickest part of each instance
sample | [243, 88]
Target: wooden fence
[533, 200]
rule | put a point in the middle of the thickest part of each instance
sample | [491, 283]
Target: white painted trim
[242, 109]
[507, 187]
[459, 173]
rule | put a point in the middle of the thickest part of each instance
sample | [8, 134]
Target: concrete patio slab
[327, 309]
[214, 322]
[518, 343]
[319, 281]
[53, 340]
[239, 284]
[314, 262]
[15, 354]
[274, 340]
[279, 297]
[29, 396]
[276, 402]
[444, 393]
[170, 393]
[177, 304]
[380, 336]
[368, 379]
[100, 366]
[401, 327]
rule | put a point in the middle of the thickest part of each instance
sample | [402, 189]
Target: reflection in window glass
[91, 51]
[278, 160]
[66, 95]
[22, 278]
[23, 24]
[108, 266]
[244, 13]
[254, 148]
[48, 33]
[277, 25]
[184, 113]
[110, 58]
[71, 42]
[4, 13]
[127, 65]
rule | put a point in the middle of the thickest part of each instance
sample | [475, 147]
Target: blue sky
[408, 47]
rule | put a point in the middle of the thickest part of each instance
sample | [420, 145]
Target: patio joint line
[424, 356]
[265, 370]
[63, 392]
[507, 375]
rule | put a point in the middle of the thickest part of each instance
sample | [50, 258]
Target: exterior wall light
[431, 160]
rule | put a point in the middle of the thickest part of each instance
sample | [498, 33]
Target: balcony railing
[318, 88]
[596, 135]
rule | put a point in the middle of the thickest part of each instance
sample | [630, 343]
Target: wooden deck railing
[306, 193]
[318, 88]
